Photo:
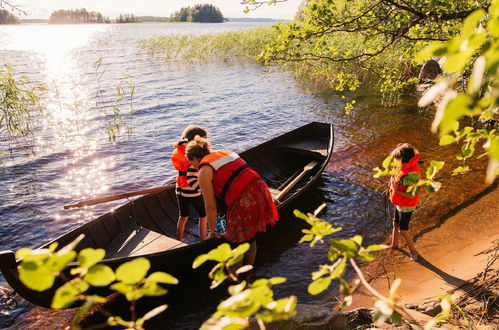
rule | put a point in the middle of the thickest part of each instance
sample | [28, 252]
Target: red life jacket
[406, 168]
[181, 164]
[232, 175]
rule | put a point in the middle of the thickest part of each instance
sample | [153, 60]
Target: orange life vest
[232, 175]
[406, 168]
[181, 163]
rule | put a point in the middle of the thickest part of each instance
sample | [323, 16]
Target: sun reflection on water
[68, 125]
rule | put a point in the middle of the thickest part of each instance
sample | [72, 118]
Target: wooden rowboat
[146, 226]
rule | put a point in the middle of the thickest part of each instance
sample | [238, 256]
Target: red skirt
[250, 213]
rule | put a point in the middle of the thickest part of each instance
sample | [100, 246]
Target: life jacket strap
[182, 173]
[234, 174]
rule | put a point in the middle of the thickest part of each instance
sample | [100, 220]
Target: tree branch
[12, 7]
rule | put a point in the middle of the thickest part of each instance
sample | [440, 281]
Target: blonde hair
[197, 148]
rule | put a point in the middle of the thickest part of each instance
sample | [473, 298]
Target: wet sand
[451, 253]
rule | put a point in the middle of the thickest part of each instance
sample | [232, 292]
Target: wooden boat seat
[136, 241]
[308, 148]
[274, 192]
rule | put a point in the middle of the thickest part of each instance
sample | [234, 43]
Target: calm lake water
[242, 105]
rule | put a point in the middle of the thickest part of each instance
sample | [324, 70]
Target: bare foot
[414, 256]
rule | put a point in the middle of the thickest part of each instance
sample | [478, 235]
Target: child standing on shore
[407, 173]
[187, 185]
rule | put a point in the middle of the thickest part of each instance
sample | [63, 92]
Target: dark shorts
[196, 202]
[402, 219]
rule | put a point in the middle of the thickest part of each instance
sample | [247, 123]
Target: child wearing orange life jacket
[405, 203]
[187, 185]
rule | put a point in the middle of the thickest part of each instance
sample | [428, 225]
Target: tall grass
[237, 46]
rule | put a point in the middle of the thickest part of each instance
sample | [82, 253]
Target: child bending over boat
[226, 176]
[187, 185]
[405, 203]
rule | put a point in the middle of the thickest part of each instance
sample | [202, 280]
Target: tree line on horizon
[199, 13]
[6, 17]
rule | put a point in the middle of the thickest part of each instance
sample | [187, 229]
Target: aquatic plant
[236, 46]
[125, 91]
[19, 98]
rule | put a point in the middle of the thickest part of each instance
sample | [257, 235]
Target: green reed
[237, 46]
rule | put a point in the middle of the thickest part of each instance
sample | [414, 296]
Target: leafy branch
[40, 268]
[247, 300]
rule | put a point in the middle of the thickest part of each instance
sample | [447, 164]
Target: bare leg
[202, 228]
[251, 254]
[395, 236]
[408, 239]
[180, 228]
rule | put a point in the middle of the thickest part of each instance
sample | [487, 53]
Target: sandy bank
[451, 253]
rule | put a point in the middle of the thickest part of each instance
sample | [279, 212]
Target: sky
[112, 8]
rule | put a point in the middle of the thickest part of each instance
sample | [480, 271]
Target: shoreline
[452, 252]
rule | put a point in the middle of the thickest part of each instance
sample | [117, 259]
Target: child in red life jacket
[405, 203]
[187, 185]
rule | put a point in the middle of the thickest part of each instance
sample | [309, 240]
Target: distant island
[77, 16]
[198, 14]
[6, 17]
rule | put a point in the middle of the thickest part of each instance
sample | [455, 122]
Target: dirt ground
[450, 254]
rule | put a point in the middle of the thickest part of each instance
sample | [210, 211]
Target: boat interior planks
[137, 241]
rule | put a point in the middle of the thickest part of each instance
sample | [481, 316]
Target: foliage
[39, 269]
[229, 46]
[4, 4]
[390, 166]
[226, 259]
[125, 91]
[7, 17]
[474, 52]
[248, 300]
[77, 16]
[344, 251]
[127, 18]
[18, 98]
[199, 14]
[370, 42]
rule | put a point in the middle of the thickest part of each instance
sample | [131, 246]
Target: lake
[241, 105]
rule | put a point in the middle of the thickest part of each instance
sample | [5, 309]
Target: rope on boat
[7, 300]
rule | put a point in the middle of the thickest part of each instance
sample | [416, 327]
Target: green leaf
[100, 275]
[376, 247]
[429, 51]
[58, 262]
[345, 245]
[123, 288]
[454, 110]
[387, 161]
[162, 277]
[220, 254]
[132, 272]
[36, 276]
[471, 22]
[446, 140]
[201, 259]
[65, 296]
[241, 249]
[89, 257]
[319, 285]
[152, 289]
